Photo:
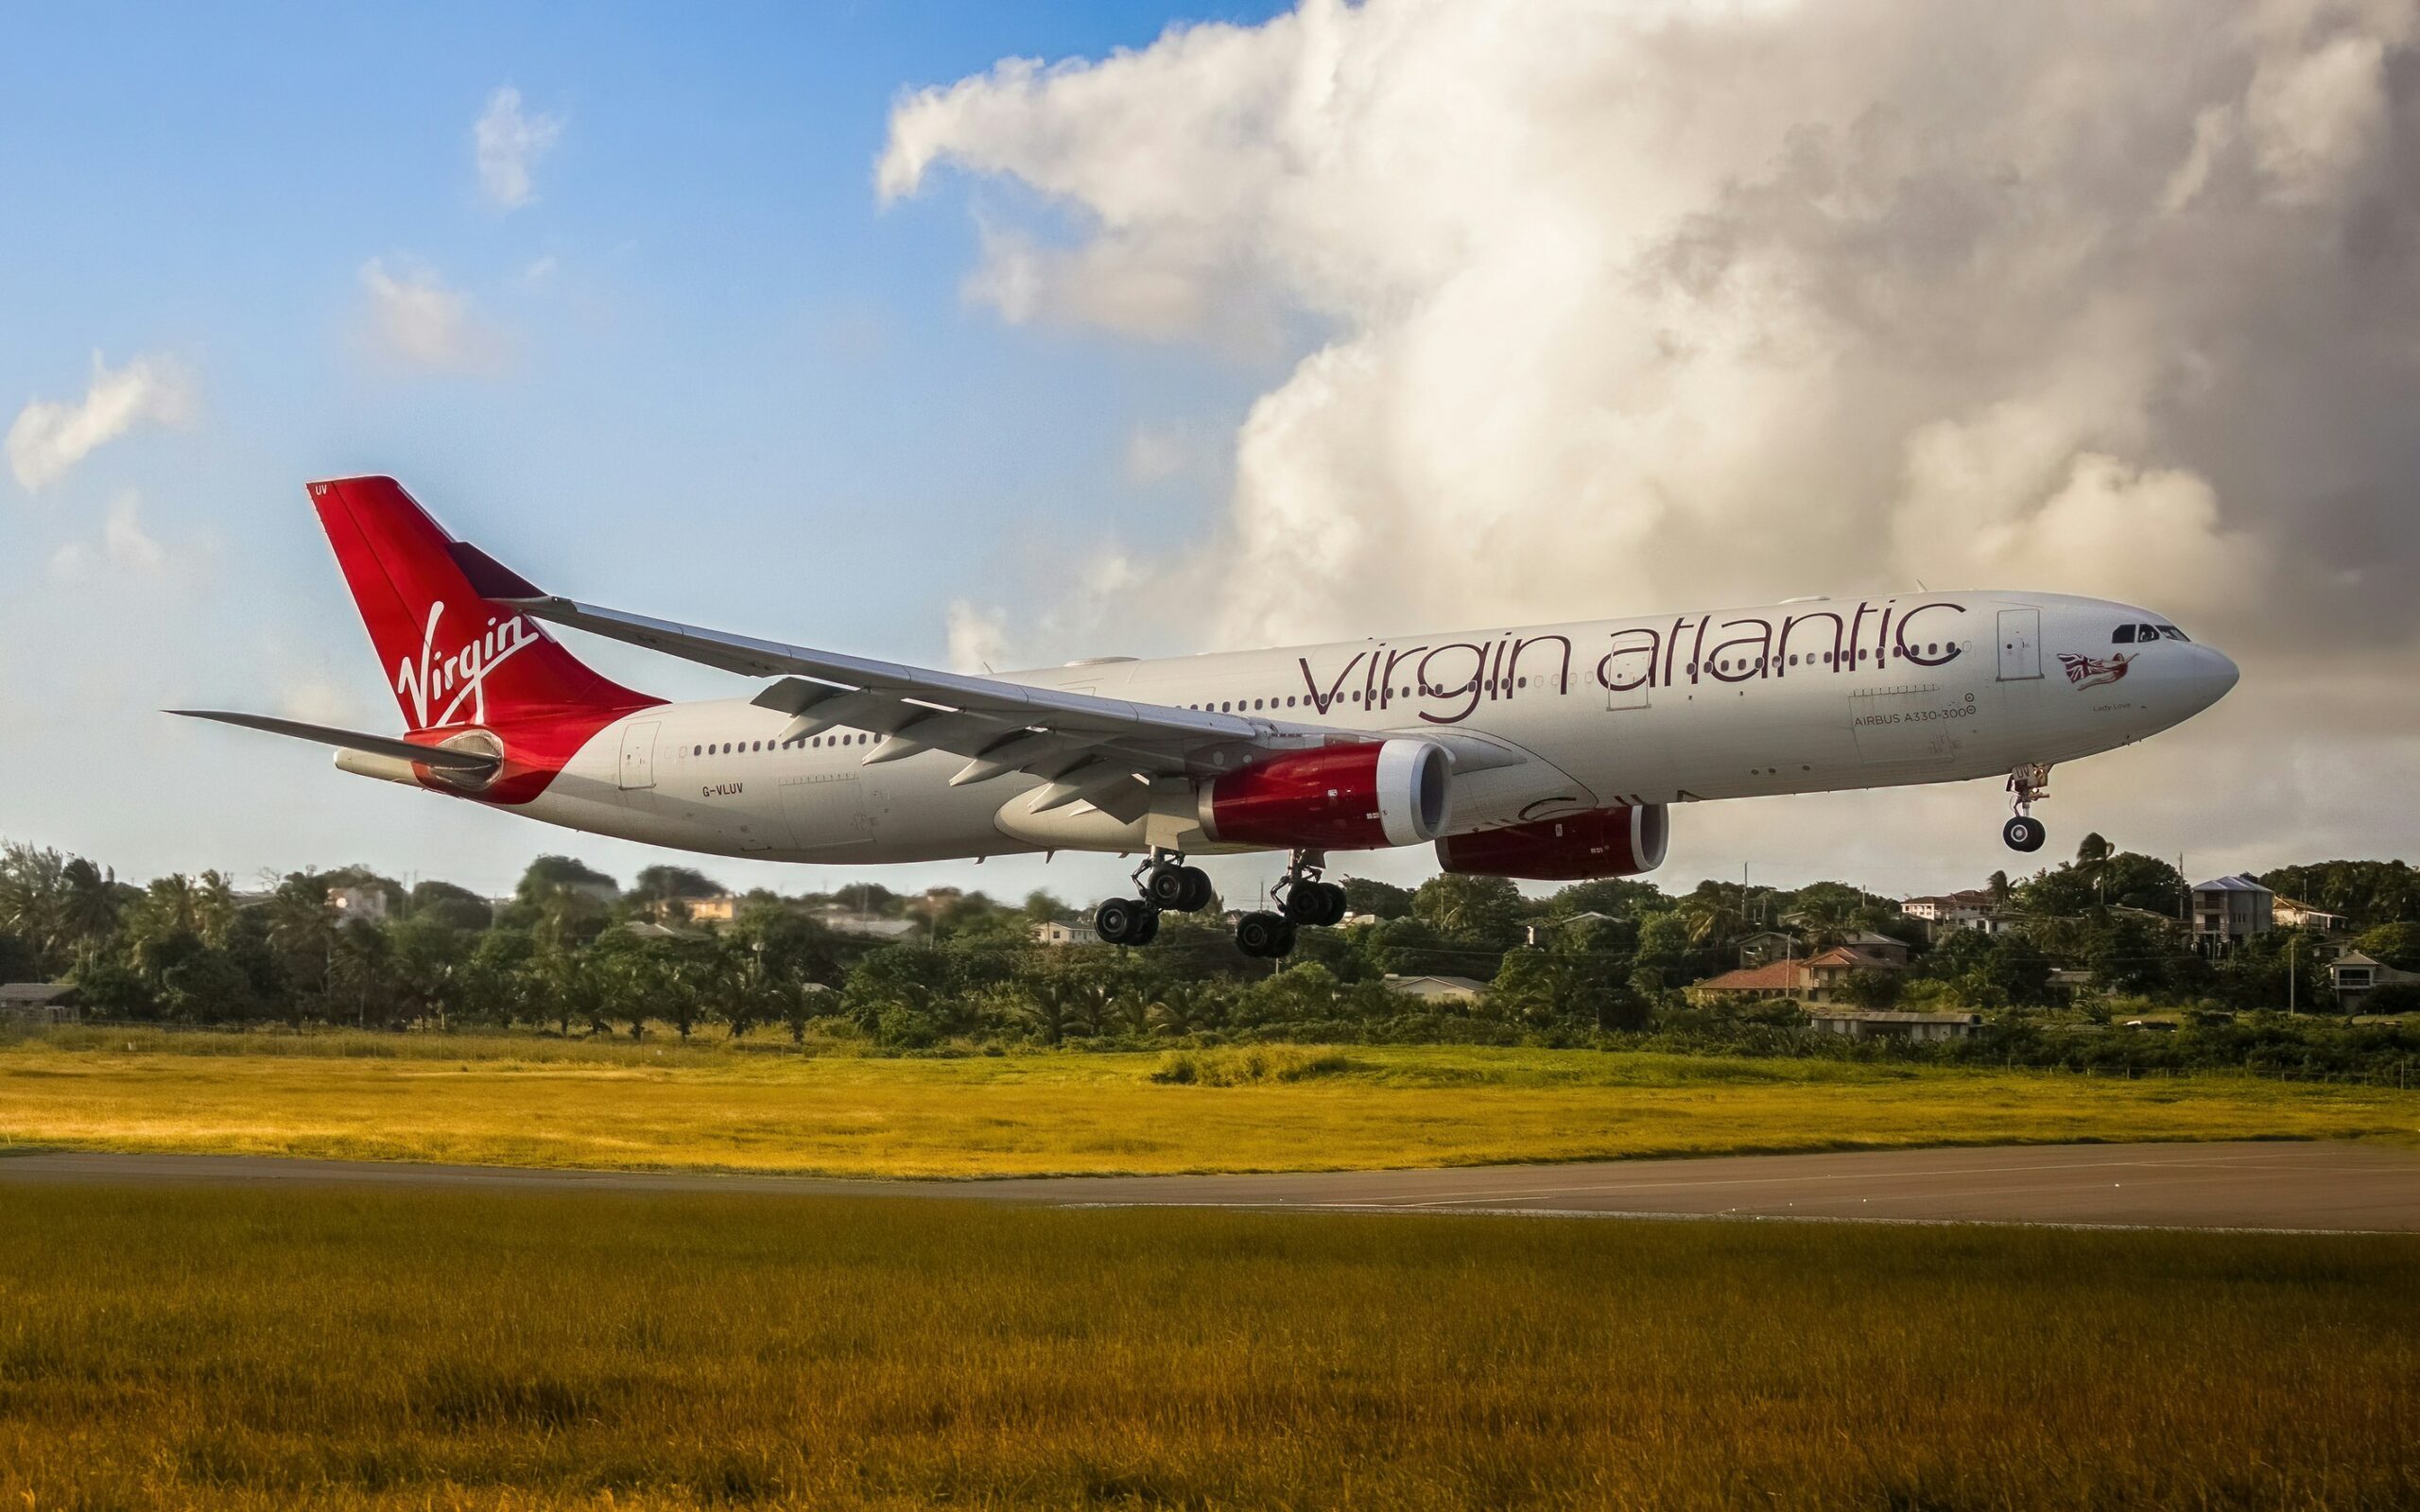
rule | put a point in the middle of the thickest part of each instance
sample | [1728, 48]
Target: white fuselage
[1798, 697]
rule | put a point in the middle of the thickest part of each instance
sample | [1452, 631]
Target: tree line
[573, 951]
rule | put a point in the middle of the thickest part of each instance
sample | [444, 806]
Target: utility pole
[2294, 942]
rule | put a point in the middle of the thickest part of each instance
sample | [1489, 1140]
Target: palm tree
[214, 907]
[303, 932]
[88, 907]
[33, 884]
[1711, 918]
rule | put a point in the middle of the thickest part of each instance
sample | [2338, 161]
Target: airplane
[1545, 752]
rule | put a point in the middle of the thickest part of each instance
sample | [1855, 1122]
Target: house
[1956, 910]
[1058, 932]
[643, 929]
[367, 904]
[1867, 941]
[38, 1002]
[2294, 913]
[2230, 908]
[719, 909]
[1765, 946]
[866, 927]
[1816, 978]
[1436, 988]
[1880, 1023]
[1974, 909]
[2355, 972]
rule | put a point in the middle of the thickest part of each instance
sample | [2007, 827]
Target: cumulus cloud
[49, 437]
[1630, 307]
[509, 143]
[416, 318]
[977, 638]
[125, 545]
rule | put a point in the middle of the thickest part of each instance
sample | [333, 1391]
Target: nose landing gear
[2026, 785]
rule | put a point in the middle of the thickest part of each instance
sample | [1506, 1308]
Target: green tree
[2397, 944]
[551, 875]
[1485, 910]
[1379, 900]
[456, 908]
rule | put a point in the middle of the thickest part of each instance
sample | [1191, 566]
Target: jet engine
[1345, 798]
[1621, 841]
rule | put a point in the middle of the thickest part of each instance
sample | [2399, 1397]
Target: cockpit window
[2125, 636]
[2174, 633]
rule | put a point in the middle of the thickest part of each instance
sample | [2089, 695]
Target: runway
[2315, 1187]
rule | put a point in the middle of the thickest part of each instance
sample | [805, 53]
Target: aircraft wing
[1090, 748]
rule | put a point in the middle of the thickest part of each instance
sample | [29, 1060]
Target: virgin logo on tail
[462, 675]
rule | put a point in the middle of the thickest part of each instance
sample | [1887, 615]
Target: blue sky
[734, 387]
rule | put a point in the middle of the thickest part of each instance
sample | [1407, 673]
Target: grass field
[258, 1349]
[520, 1101]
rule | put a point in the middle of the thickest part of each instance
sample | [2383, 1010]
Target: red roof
[1784, 976]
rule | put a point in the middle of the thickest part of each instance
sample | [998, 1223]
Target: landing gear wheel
[1337, 906]
[1305, 903]
[1169, 882]
[1264, 937]
[1167, 886]
[2024, 832]
[1125, 921]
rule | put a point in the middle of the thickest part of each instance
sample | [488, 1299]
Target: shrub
[1251, 1065]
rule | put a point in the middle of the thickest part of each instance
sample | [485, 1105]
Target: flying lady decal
[2093, 672]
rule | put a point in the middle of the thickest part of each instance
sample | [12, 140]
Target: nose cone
[2211, 675]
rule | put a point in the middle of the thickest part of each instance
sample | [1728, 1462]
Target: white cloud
[49, 437]
[1624, 307]
[415, 317]
[509, 144]
[977, 639]
[125, 545]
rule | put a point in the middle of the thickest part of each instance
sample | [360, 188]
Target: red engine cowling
[1346, 798]
[1616, 842]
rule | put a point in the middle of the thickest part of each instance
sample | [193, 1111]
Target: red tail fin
[454, 656]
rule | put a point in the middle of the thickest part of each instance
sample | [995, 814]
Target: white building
[2294, 913]
[1055, 932]
[1436, 988]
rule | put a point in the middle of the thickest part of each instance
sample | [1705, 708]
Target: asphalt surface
[2316, 1187]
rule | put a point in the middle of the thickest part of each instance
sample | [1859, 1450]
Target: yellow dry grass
[269, 1349]
[522, 1101]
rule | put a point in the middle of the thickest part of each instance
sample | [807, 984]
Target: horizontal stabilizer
[439, 758]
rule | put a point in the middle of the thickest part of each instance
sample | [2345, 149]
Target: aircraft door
[638, 756]
[1630, 676]
[2020, 645]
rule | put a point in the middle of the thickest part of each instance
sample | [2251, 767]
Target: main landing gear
[1302, 899]
[1166, 883]
[2026, 785]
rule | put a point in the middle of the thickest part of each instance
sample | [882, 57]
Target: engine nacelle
[1616, 842]
[1345, 798]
